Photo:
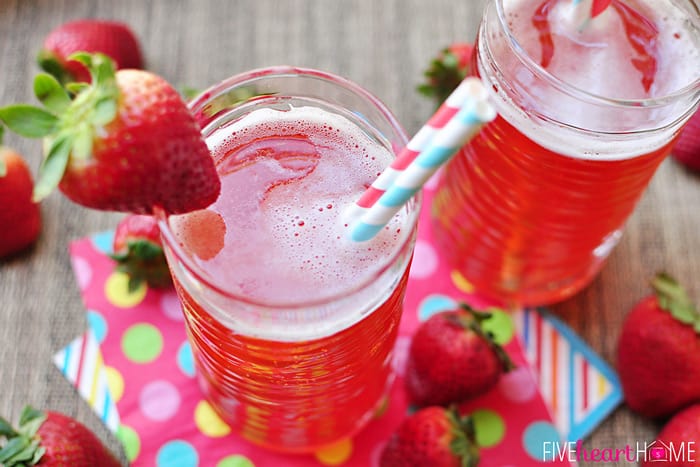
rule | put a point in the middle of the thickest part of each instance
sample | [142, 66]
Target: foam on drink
[603, 56]
[286, 177]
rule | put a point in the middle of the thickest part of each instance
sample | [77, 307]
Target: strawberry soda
[588, 109]
[292, 326]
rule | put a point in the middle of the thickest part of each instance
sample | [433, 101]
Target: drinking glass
[529, 210]
[292, 354]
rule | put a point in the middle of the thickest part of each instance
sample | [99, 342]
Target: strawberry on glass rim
[126, 142]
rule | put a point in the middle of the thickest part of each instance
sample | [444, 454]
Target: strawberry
[51, 439]
[687, 148]
[138, 251]
[20, 217]
[452, 358]
[126, 142]
[658, 355]
[435, 437]
[446, 71]
[681, 430]
[111, 38]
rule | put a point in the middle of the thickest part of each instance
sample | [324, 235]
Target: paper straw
[470, 88]
[597, 7]
[474, 112]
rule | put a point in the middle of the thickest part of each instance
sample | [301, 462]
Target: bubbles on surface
[287, 177]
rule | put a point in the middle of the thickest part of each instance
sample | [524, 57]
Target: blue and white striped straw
[446, 142]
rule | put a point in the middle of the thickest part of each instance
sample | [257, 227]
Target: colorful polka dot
[97, 324]
[425, 261]
[185, 359]
[534, 437]
[177, 453]
[501, 325]
[130, 440]
[142, 343]
[159, 400]
[117, 291]
[115, 383]
[460, 282]
[433, 304]
[335, 454]
[103, 241]
[82, 271]
[518, 385]
[170, 305]
[236, 460]
[489, 426]
[209, 422]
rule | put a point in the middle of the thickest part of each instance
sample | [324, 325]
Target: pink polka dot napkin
[135, 368]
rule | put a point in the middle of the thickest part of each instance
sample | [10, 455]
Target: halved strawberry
[126, 142]
[111, 38]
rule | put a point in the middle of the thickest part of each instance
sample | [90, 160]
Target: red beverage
[588, 109]
[292, 325]
[295, 396]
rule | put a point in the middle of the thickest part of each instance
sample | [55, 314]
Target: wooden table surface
[382, 45]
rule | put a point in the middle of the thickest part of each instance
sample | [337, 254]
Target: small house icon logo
[658, 451]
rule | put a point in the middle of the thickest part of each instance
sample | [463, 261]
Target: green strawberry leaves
[673, 298]
[143, 261]
[474, 321]
[21, 447]
[30, 420]
[50, 93]
[53, 167]
[69, 120]
[48, 62]
[463, 444]
[442, 76]
[28, 121]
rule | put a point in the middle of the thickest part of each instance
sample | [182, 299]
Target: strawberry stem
[673, 298]
[68, 125]
[21, 447]
[47, 61]
[463, 444]
[474, 323]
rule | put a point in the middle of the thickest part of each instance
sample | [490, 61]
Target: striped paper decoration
[580, 388]
[82, 364]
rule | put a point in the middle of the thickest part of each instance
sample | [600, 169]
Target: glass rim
[244, 78]
[686, 91]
